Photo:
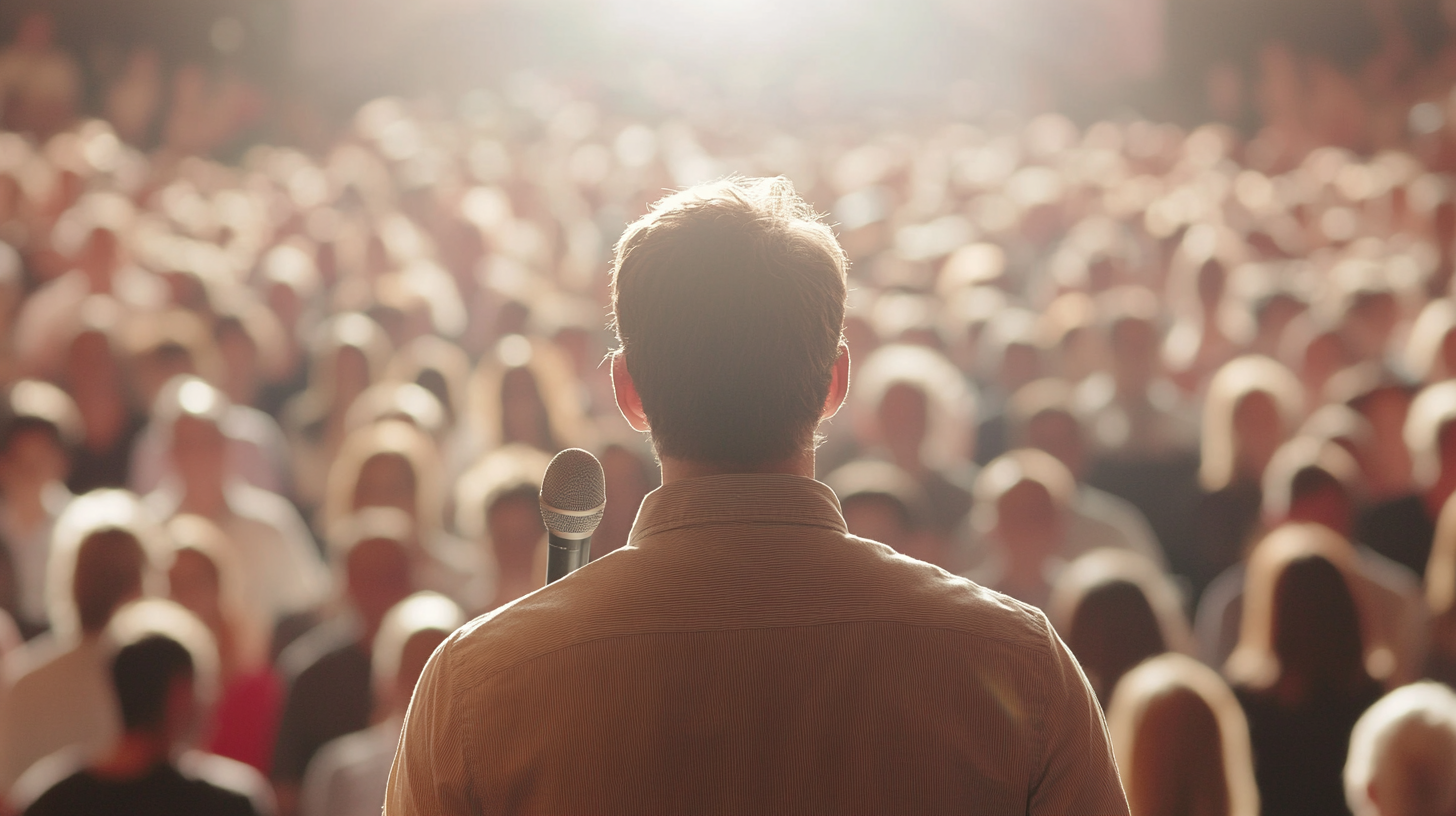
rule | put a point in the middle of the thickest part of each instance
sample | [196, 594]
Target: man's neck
[676, 469]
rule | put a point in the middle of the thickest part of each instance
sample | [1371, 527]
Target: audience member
[1182, 741]
[40, 427]
[1299, 670]
[1115, 609]
[206, 581]
[163, 673]
[1023, 509]
[281, 566]
[347, 776]
[105, 551]
[328, 669]
[1403, 754]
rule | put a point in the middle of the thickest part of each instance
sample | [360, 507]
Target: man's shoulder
[622, 597]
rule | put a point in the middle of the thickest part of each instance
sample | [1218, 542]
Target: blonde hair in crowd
[1181, 741]
[97, 512]
[388, 438]
[1254, 662]
[1431, 412]
[1402, 758]
[1235, 381]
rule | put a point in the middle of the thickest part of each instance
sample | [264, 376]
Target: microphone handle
[565, 555]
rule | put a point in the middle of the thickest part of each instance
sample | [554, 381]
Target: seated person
[1403, 754]
[162, 671]
[347, 777]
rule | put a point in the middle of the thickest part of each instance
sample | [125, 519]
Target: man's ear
[628, 402]
[838, 383]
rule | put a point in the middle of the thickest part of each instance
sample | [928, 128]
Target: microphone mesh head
[573, 494]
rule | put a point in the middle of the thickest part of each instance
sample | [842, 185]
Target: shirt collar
[738, 498]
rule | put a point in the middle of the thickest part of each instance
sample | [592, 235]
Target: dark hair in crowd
[142, 673]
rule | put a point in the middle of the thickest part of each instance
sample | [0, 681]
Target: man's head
[154, 683]
[728, 301]
[164, 669]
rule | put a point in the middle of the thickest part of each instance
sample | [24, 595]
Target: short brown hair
[728, 302]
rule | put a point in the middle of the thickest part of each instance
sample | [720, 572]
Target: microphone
[573, 496]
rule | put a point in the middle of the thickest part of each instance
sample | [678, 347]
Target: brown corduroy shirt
[745, 654]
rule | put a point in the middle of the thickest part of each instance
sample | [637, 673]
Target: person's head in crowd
[631, 474]
[883, 503]
[728, 304]
[1313, 481]
[288, 281]
[1430, 436]
[1130, 317]
[1252, 405]
[400, 310]
[1182, 742]
[38, 429]
[374, 553]
[1198, 273]
[397, 401]
[498, 504]
[1010, 351]
[389, 464]
[1402, 759]
[1385, 402]
[92, 234]
[1341, 425]
[92, 371]
[164, 671]
[1430, 349]
[438, 366]
[915, 405]
[350, 352]
[1071, 338]
[168, 345]
[1022, 501]
[1315, 352]
[966, 311]
[407, 637]
[1301, 636]
[1368, 313]
[1273, 312]
[1114, 609]
[192, 412]
[205, 580]
[105, 551]
[1042, 417]
[524, 392]
[249, 342]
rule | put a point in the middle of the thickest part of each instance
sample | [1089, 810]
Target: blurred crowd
[1189, 394]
